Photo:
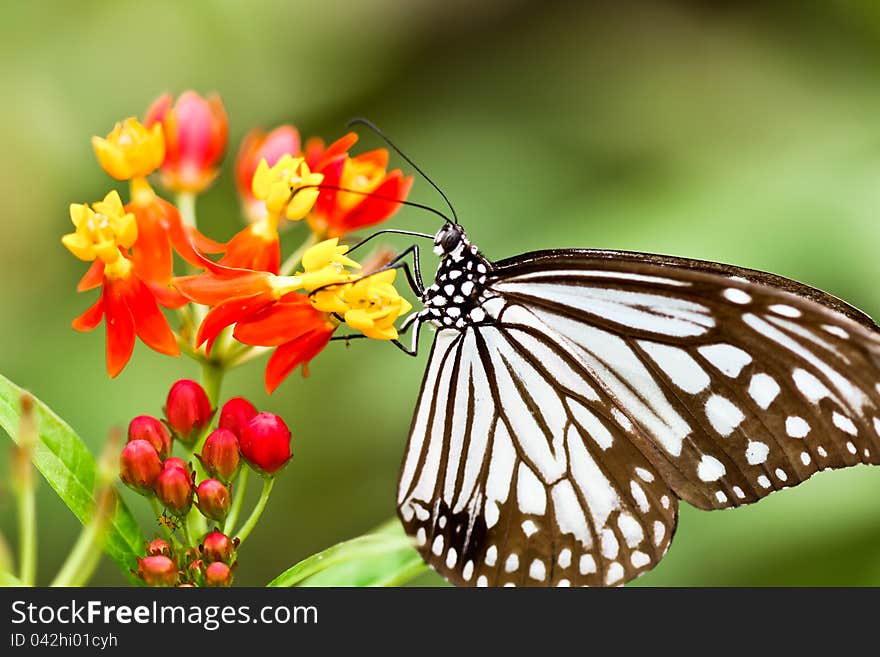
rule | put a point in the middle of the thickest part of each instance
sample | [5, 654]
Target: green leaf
[384, 557]
[66, 463]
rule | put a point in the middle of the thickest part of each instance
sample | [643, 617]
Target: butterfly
[573, 397]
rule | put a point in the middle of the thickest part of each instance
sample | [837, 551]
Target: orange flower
[103, 234]
[257, 146]
[195, 130]
[161, 232]
[287, 192]
[266, 312]
[336, 212]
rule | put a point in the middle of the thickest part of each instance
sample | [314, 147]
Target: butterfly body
[573, 397]
[457, 298]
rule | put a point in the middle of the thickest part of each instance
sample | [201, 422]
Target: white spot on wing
[491, 555]
[678, 365]
[737, 296]
[631, 529]
[728, 359]
[587, 564]
[796, 426]
[639, 559]
[537, 570]
[610, 546]
[614, 574]
[763, 389]
[530, 493]
[835, 330]
[756, 452]
[844, 423]
[639, 496]
[451, 557]
[659, 532]
[564, 559]
[723, 414]
[710, 468]
[644, 475]
[785, 311]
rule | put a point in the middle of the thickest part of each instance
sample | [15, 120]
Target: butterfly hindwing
[512, 480]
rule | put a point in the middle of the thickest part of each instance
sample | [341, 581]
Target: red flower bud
[214, 499]
[220, 454]
[265, 443]
[195, 137]
[218, 574]
[217, 546]
[158, 547]
[174, 462]
[145, 427]
[157, 571]
[140, 466]
[174, 488]
[188, 410]
[236, 413]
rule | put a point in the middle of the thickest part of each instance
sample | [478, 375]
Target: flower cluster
[147, 466]
[223, 303]
[292, 306]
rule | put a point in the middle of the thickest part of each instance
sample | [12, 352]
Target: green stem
[157, 511]
[186, 536]
[27, 527]
[295, 257]
[186, 205]
[83, 558]
[212, 380]
[245, 530]
[237, 500]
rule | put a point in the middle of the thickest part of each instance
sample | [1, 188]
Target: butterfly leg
[414, 275]
[413, 350]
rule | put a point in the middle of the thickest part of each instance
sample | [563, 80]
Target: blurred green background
[743, 132]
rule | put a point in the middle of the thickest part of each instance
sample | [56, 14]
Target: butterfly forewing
[558, 425]
[740, 383]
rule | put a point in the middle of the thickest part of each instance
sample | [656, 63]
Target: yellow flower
[278, 187]
[131, 150]
[325, 264]
[101, 230]
[374, 305]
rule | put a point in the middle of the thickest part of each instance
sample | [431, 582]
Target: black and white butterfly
[573, 397]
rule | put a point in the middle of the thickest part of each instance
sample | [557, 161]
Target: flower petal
[119, 325]
[228, 313]
[151, 252]
[150, 324]
[374, 210]
[93, 278]
[280, 322]
[211, 289]
[288, 356]
[90, 318]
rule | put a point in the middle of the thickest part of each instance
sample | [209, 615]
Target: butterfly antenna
[372, 126]
[337, 188]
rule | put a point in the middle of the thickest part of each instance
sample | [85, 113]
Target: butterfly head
[450, 240]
